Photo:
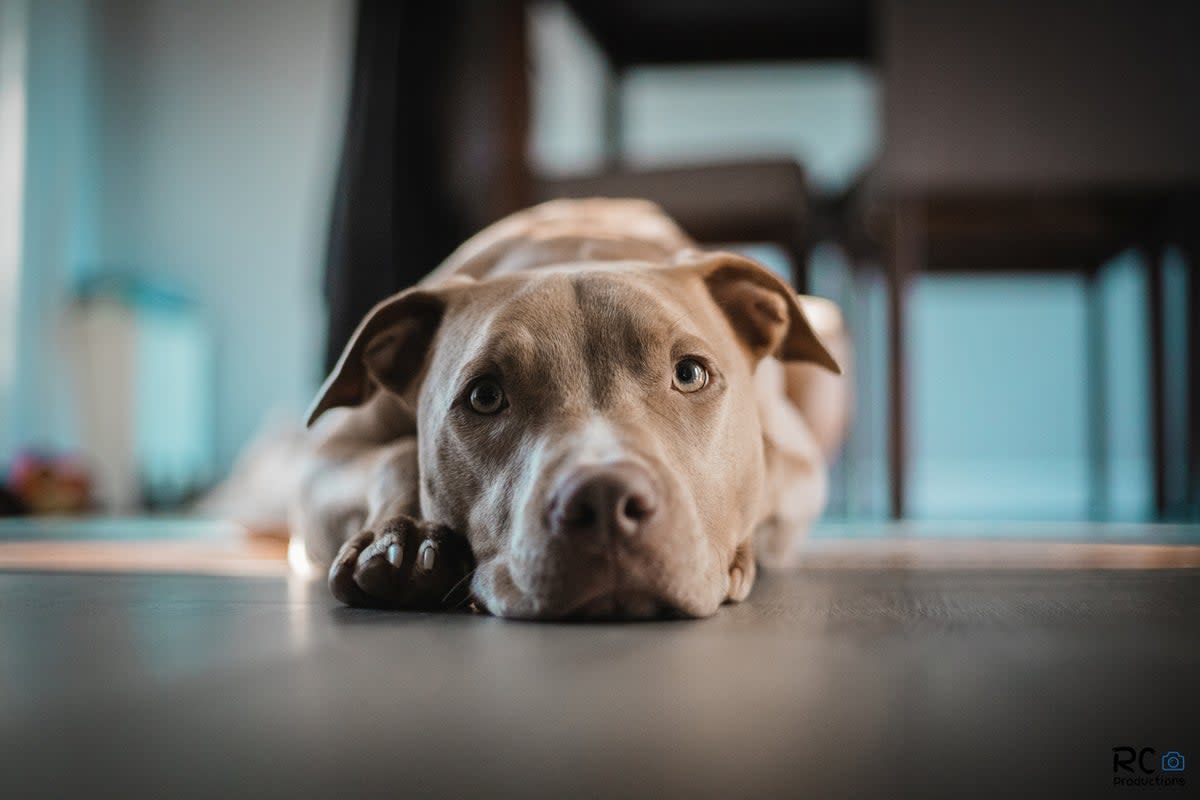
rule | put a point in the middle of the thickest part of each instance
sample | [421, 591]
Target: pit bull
[578, 414]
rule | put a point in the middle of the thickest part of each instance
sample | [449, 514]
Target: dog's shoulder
[567, 231]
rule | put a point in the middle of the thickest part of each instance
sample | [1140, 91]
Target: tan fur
[584, 307]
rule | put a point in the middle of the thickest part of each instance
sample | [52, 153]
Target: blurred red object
[50, 484]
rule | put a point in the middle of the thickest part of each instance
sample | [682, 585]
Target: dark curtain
[433, 148]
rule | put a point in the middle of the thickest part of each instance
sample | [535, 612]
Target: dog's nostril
[637, 507]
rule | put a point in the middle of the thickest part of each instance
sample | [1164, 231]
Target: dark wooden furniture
[632, 33]
[1047, 136]
[673, 32]
[1183, 228]
[1013, 230]
[764, 200]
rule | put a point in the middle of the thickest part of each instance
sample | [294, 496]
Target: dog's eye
[486, 396]
[690, 375]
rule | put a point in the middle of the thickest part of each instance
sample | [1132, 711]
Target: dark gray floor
[826, 684]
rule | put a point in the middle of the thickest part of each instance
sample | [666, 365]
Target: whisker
[458, 583]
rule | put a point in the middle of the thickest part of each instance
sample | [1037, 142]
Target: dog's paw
[403, 563]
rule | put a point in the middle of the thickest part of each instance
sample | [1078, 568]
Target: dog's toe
[342, 581]
[403, 563]
[381, 568]
[441, 569]
[741, 576]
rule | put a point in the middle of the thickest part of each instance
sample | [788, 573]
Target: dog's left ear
[387, 351]
[762, 309]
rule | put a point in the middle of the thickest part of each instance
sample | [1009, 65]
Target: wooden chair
[762, 200]
[1036, 136]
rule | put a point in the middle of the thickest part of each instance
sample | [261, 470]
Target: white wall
[14, 26]
[218, 132]
[193, 144]
[53, 219]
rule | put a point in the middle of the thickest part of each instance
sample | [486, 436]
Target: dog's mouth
[622, 583]
[617, 605]
[623, 595]
[592, 594]
[598, 589]
[665, 572]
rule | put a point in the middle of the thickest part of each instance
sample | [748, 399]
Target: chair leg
[1152, 255]
[613, 116]
[1192, 501]
[904, 259]
[799, 253]
[1184, 232]
[1096, 393]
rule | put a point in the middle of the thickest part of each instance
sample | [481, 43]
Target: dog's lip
[613, 603]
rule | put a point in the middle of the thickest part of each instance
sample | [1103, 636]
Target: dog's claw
[427, 555]
[403, 563]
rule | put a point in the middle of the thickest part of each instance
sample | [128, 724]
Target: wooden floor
[969, 677]
[189, 546]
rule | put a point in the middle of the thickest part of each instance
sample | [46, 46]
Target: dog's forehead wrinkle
[532, 318]
[624, 329]
[614, 316]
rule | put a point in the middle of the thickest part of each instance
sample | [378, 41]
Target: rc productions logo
[1155, 770]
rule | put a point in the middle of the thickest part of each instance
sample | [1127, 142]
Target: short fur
[580, 309]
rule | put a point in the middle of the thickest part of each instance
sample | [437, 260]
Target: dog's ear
[387, 350]
[762, 309]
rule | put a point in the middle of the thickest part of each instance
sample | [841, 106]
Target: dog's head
[592, 431]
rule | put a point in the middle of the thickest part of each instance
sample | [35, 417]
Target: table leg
[613, 116]
[1153, 257]
[1192, 501]
[1095, 390]
[904, 259]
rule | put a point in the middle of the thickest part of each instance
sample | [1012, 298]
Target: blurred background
[199, 200]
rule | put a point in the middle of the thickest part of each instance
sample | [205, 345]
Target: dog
[578, 414]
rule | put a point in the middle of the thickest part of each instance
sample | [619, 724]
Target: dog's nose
[604, 501]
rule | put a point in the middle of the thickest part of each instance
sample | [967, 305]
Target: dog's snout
[598, 502]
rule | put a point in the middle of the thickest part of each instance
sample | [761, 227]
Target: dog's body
[585, 406]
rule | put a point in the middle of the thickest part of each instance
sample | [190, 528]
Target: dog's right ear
[386, 351]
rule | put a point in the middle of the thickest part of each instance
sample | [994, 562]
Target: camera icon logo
[1172, 761]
